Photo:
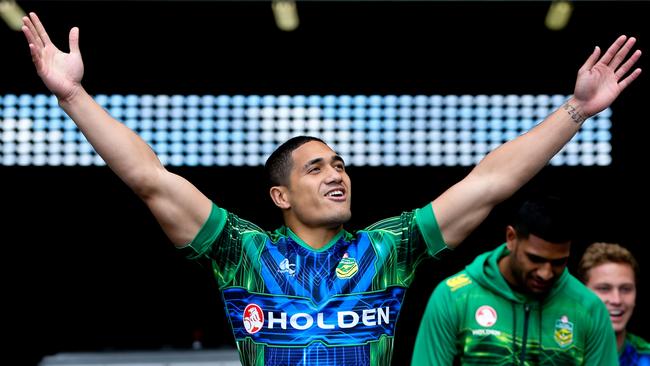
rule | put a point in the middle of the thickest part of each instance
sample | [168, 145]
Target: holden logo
[253, 318]
[486, 316]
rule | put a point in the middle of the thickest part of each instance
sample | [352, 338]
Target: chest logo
[563, 334]
[286, 267]
[486, 316]
[253, 318]
[347, 267]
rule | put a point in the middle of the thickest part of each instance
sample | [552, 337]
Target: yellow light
[285, 14]
[12, 14]
[558, 15]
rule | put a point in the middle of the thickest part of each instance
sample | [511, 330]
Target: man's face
[535, 264]
[614, 283]
[319, 188]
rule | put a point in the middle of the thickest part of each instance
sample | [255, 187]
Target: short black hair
[278, 165]
[546, 217]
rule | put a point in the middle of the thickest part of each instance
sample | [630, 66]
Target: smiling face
[615, 284]
[534, 264]
[319, 189]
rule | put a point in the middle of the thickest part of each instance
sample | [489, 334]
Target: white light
[9, 160]
[359, 160]
[85, 159]
[466, 159]
[603, 159]
[54, 160]
[39, 159]
[374, 159]
[365, 124]
[389, 160]
[404, 160]
[572, 159]
[70, 160]
[450, 160]
[587, 160]
[24, 160]
[435, 159]
[24, 148]
[420, 160]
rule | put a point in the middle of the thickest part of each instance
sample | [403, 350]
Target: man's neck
[315, 237]
[504, 268]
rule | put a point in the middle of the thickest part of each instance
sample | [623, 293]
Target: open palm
[61, 72]
[600, 81]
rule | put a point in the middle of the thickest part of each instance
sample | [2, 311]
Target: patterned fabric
[289, 304]
[636, 351]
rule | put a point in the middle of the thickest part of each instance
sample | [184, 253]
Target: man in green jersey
[611, 271]
[518, 304]
[311, 292]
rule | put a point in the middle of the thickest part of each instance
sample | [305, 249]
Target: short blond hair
[601, 253]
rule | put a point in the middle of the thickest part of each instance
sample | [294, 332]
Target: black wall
[86, 267]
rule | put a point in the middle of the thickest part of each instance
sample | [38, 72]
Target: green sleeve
[209, 232]
[221, 241]
[435, 343]
[601, 341]
[428, 226]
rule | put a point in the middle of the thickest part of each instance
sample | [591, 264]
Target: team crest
[459, 281]
[563, 331]
[486, 316]
[347, 267]
[253, 318]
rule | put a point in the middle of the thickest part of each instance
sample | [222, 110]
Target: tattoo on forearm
[576, 116]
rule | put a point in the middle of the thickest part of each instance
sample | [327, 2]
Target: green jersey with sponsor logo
[291, 304]
[474, 317]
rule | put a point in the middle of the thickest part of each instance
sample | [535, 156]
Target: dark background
[86, 267]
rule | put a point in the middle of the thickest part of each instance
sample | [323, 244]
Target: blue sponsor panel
[292, 321]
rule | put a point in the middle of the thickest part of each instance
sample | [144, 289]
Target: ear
[280, 196]
[511, 237]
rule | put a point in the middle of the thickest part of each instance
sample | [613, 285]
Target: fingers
[622, 53]
[39, 28]
[74, 39]
[591, 61]
[36, 57]
[30, 33]
[628, 80]
[628, 64]
[613, 49]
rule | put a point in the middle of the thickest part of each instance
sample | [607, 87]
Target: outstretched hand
[61, 72]
[601, 80]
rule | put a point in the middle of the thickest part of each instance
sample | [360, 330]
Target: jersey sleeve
[601, 342]
[402, 242]
[221, 240]
[435, 343]
[430, 231]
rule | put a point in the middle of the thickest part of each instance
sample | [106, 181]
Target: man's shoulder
[577, 292]
[641, 345]
[390, 224]
[457, 284]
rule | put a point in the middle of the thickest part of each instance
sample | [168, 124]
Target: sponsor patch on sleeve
[458, 281]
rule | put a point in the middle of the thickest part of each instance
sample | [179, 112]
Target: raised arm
[179, 207]
[503, 171]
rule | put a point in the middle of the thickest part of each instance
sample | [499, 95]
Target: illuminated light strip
[243, 130]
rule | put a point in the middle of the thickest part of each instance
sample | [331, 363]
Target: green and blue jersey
[290, 304]
[635, 352]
